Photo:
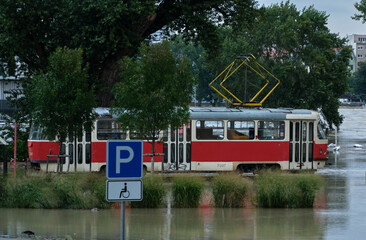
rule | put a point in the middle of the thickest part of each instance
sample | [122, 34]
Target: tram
[214, 140]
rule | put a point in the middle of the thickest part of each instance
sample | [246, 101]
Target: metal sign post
[124, 173]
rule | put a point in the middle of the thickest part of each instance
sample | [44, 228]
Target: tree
[63, 101]
[296, 47]
[358, 80]
[361, 7]
[154, 92]
[107, 30]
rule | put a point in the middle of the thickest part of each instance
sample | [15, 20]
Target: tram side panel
[227, 155]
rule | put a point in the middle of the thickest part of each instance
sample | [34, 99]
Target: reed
[280, 190]
[187, 191]
[229, 190]
[153, 192]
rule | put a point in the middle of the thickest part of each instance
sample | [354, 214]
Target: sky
[339, 11]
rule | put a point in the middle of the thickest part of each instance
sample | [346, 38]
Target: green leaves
[62, 98]
[154, 92]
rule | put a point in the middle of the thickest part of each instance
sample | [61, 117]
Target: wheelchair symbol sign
[124, 190]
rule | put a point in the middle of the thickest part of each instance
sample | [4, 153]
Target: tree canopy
[154, 92]
[107, 30]
[296, 47]
[358, 81]
[63, 102]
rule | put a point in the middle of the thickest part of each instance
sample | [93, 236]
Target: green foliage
[229, 190]
[358, 81]
[107, 30]
[154, 92]
[280, 190]
[153, 193]
[63, 101]
[361, 7]
[75, 191]
[187, 191]
[296, 47]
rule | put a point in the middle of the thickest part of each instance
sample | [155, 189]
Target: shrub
[153, 193]
[279, 190]
[229, 190]
[187, 191]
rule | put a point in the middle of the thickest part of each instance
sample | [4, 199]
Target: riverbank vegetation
[87, 190]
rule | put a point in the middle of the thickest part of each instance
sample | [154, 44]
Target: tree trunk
[153, 155]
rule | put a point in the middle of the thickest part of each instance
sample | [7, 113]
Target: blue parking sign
[124, 159]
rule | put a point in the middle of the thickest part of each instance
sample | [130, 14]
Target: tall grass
[279, 190]
[229, 190]
[153, 192]
[187, 191]
[76, 191]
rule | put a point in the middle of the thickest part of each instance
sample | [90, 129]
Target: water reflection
[202, 223]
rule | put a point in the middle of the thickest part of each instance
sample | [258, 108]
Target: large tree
[154, 92]
[298, 48]
[107, 30]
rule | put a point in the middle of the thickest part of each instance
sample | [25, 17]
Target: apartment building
[358, 43]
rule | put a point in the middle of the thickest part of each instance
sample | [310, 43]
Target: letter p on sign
[120, 159]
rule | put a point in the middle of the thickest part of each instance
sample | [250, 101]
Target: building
[358, 43]
[8, 84]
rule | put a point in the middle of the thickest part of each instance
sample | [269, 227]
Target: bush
[153, 193]
[279, 190]
[229, 190]
[187, 191]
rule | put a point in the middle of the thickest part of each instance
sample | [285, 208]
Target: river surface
[340, 211]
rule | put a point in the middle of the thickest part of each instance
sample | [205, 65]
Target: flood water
[340, 212]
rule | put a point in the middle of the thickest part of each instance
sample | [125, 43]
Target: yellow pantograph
[249, 61]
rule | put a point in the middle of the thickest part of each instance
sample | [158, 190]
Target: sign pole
[123, 208]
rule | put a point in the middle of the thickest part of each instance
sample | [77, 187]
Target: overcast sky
[339, 11]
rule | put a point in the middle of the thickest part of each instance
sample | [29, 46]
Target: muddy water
[340, 211]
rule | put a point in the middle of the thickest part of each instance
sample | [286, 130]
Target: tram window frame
[110, 130]
[210, 129]
[320, 132]
[241, 130]
[271, 130]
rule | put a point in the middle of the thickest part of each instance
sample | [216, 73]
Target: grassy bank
[38, 190]
[87, 190]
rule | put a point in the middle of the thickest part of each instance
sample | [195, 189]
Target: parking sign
[124, 159]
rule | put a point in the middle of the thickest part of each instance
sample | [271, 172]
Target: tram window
[271, 130]
[62, 152]
[87, 153]
[240, 130]
[304, 128]
[109, 129]
[311, 131]
[71, 153]
[321, 134]
[80, 153]
[209, 130]
[37, 134]
[188, 131]
[181, 134]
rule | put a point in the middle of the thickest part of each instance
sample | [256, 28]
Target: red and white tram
[215, 139]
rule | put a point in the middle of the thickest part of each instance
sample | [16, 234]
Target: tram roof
[221, 113]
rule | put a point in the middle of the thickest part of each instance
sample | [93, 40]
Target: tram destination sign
[124, 159]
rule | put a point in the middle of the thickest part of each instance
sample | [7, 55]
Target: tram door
[177, 149]
[301, 145]
[78, 154]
